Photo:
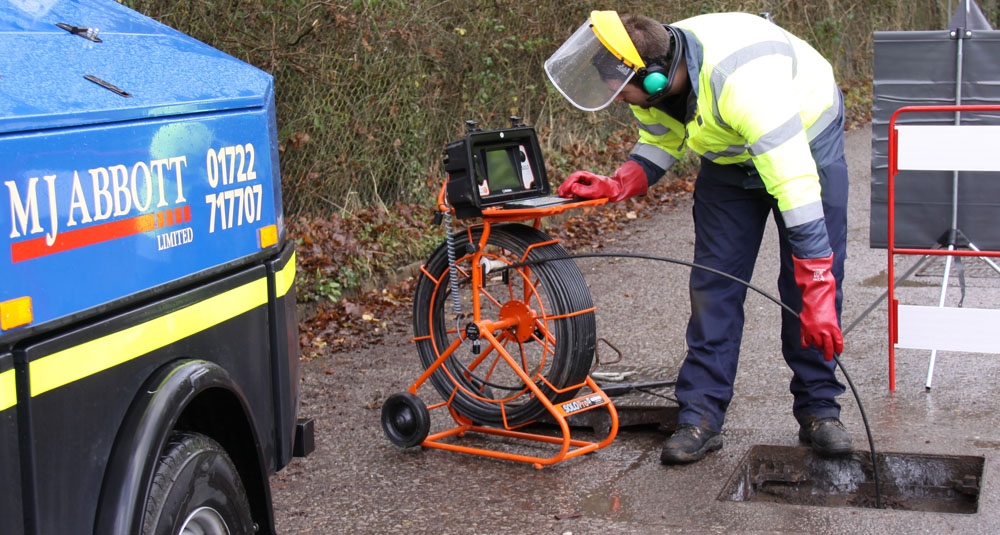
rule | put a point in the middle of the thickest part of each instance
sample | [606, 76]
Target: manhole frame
[900, 491]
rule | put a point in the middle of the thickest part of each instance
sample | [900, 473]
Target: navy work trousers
[729, 222]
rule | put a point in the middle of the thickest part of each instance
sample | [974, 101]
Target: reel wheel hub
[525, 317]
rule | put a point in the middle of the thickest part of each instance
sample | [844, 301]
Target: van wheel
[196, 490]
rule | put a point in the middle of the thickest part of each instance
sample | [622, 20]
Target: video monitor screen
[507, 166]
[503, 177]
[503, 171]
[494, 167]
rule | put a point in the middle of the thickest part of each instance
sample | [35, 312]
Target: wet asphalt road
[357, 482]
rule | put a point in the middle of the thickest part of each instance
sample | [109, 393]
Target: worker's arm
[766, 116]
[660, 145]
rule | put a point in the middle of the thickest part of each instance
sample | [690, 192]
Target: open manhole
[910, 482]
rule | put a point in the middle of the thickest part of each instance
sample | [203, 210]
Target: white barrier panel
[971, 330]
[948, 148]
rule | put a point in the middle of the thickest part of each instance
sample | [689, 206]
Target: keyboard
[537, 202]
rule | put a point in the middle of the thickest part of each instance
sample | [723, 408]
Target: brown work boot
[827, 436]
[688, 444]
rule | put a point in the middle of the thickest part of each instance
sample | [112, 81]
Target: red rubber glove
[819, 310]
[628, 181]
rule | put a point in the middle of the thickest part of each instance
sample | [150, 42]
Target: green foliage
[369, 91]
[338, 253]
[317, 286]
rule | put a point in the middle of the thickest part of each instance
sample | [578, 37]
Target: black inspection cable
[565, 291]
[857, 397]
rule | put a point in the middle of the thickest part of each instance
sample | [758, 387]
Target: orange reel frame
[517, 320]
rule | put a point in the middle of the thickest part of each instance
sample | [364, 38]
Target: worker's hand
[628, 181]
[818, 318]
[588, 186]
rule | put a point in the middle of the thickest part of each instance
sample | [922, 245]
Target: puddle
[991, 444]
[607, 501]
[606, 504]
[910, 482]
[879, 281]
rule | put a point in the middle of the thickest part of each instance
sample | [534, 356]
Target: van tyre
[196, 490]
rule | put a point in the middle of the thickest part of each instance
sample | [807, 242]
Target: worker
[762, 109]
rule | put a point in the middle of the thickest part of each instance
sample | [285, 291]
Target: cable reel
[549, 315]
[502, 342]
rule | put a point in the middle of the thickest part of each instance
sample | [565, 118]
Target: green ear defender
[655, 81]
[656, 77]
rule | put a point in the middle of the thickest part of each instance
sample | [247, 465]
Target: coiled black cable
[857, 397]
[565, 293]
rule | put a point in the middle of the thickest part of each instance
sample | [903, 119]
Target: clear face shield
[588, 74]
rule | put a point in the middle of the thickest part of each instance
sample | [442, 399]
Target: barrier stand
[939, 148]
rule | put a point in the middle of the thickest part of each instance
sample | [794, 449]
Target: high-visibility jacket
[758, 95]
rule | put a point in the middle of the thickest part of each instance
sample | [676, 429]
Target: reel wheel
[405, 420]
[552, 338]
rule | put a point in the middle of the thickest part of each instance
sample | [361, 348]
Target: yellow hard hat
[608, 27]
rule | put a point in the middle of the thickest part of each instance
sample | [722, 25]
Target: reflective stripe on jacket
[759, 94]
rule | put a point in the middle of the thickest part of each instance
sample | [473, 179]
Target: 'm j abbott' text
[98, 194]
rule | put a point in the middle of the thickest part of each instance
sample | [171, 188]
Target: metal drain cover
[647, 406]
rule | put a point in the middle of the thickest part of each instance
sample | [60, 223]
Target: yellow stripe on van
[8, 392]
[284, 279]
[86, 359]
